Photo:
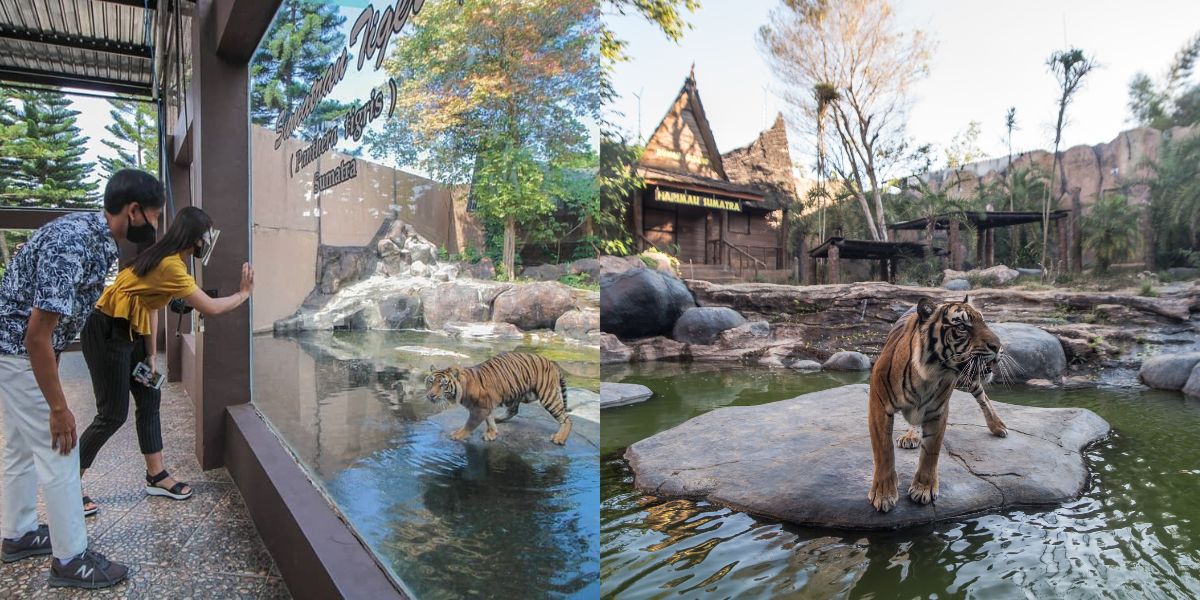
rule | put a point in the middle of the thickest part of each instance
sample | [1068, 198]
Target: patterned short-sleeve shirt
[61, 270]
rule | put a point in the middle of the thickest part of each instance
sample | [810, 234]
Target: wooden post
[956, 250]
[834, 264]
[1076, 232]
[812, 271]
[1061, 226]
[723, 253]
[638, 226]
[883, 269]
[990, 239]
[980, 237]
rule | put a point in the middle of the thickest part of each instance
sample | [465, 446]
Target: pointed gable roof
[683, 140]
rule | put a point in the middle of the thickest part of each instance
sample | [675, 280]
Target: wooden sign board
[693, 199]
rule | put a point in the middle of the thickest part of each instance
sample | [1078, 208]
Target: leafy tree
[855, 46]
[1168, 103]
[134, 131]
[1069, 68]
[1175, 203]
[489, 90]
[964, 147]
[301, 42]
[1111, 230]
[45, 167]
[1023, 189]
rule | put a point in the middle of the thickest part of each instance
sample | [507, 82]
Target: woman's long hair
[186, 230]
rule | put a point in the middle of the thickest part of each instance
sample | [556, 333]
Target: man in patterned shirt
[49, 289]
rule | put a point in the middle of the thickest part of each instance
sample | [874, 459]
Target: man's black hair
[132, 185]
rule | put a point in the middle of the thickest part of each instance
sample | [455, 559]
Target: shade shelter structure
[985, 224]
[888, 253]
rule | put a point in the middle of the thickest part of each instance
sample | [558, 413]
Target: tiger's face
[442, 386]
[961, 340]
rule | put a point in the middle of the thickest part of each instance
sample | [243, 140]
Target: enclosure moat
[447, 519]
[1132, 533]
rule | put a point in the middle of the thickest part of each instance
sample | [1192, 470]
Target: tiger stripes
[926, 356]
[507, 379]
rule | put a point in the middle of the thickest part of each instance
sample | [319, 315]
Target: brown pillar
[883, 269]
[811, 275]
[224, 34]
[725, 259]
[181, 196]
[638, 232]
[990, 238]
[956, 249]
[1076, 232]
[1061, 254]
[979, 247]
[834, 261]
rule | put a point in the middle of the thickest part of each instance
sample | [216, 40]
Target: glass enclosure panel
[389, 169]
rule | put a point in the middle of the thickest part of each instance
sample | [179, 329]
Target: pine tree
[134, 129]
[46, 166]
[303, 40]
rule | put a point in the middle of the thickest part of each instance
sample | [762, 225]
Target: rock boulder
[808, 460]
[534, 305]
[620, 394]
[1168, 371]
[704, 325]
[583, 325]
[848, 361]
[612, 351]
[469, 301]
[642, 302]
[1038, 354]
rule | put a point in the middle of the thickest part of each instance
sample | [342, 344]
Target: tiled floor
[204, 547]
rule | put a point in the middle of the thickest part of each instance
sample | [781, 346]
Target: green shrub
[1148, 290]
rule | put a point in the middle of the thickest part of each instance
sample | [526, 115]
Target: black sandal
[87, 512]
[175, 493]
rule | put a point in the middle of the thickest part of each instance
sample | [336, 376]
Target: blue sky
[990, 55]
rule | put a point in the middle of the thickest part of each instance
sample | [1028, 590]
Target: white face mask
[208, 243]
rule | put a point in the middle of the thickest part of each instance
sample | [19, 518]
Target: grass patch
[1147, 290]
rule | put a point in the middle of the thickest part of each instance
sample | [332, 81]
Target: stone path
[204, 547]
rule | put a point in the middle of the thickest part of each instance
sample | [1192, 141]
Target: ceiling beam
[74, 41]
[116, 86]
[151, 4]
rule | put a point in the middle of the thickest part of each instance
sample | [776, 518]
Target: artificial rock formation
[808, 460]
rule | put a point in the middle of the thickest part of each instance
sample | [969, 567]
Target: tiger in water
[926, 356]
[507, 379]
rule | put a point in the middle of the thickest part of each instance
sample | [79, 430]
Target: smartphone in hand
[143, 375]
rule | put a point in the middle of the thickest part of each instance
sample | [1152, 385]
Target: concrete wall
[290, 223]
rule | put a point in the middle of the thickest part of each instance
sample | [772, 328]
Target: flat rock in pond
[808, 460]
[620, 394]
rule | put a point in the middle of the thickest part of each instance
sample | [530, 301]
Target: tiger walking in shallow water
[507, 379]
[926, 356]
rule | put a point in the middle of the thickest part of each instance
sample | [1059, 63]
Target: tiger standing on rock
[926, 356]
[507, 379]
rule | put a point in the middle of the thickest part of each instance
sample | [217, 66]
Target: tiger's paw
[560, 438]
[459, 435]
[998, 428]
[490, 435]
[911, 439]
[923, 493]
[883, 496]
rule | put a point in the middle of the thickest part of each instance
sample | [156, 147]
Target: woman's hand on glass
[247, 279]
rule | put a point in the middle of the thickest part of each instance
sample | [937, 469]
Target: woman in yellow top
[120, 333]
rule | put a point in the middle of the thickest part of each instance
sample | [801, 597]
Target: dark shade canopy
[102, 45]
[981, 219]
[872, 250]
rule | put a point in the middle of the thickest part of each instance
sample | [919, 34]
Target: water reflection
[1131, 534]
[450, 520]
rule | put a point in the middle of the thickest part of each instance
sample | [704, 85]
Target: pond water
[448, 519]
[1132, 534]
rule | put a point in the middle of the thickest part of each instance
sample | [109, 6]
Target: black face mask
[140, 234]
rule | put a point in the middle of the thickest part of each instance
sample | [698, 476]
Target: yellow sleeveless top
[134, 298]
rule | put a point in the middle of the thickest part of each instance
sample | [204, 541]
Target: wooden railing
[735, 252]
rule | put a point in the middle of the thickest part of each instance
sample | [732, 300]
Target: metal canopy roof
[981, 219]
[871, 249]
[104, 45]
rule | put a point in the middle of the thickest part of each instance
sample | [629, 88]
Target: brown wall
[290, 223]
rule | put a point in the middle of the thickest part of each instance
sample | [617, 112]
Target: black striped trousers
[111, 356]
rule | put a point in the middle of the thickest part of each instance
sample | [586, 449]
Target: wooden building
[692, 207]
